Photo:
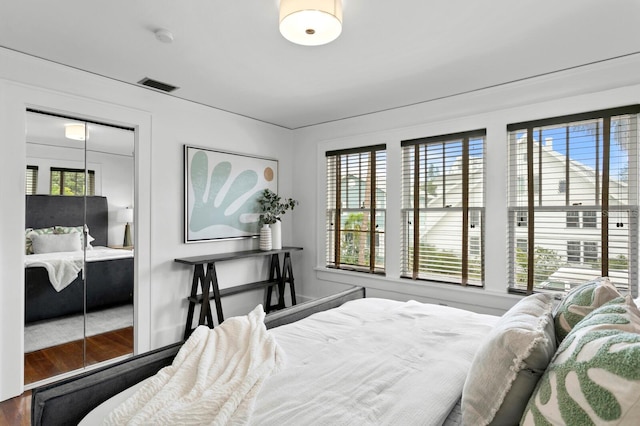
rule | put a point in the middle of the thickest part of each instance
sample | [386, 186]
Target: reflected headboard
[50, 210]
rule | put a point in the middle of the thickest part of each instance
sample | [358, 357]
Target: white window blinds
[356, 203]
[573, 200]
[443, 208]
[31, 182]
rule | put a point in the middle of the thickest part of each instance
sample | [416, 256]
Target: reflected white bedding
[371, 361]
[63, 267]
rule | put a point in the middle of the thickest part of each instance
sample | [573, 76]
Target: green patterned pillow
[595, 375]
[30, 232]
[579, 302]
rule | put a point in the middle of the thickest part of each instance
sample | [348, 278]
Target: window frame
[602, 194]
[31, 180]
[471, 216]
[89, 181]
[335, 209]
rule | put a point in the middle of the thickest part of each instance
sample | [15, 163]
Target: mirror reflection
[79, 269]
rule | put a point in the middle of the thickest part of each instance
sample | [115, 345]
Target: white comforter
[371, 361]
[63, 267]
[213, 380]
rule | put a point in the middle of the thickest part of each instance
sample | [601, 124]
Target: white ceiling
[230, 55]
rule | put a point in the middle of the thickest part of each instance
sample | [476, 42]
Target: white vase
[265, 237]
[276, 235]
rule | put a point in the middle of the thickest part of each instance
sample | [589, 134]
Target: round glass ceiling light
[310, 22]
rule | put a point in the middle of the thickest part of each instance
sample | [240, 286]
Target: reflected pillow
[594, 378]
[75, 229]
[509, 363]
[53, 243]
[579, 302]
[30, 232]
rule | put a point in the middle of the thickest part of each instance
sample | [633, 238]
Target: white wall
[605, 85]
[163, 124]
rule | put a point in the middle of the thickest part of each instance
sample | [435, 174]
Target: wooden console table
[207, 279]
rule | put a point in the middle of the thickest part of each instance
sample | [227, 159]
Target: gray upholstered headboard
[50, 210]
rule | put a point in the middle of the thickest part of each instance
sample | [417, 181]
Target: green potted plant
[272, 207]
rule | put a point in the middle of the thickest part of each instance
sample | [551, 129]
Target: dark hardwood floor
[44, 363]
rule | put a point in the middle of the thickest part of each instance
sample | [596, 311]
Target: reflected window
[72, 182]
[31, 181]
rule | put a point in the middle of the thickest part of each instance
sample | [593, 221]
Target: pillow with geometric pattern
[579, 302]
[594, 377]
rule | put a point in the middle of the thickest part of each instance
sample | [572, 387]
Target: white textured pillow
[509, 363]
[594, 378]
[52, 243]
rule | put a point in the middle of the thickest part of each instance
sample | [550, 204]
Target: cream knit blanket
[213, 380]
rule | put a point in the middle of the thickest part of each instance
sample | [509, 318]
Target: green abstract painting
[222, 191]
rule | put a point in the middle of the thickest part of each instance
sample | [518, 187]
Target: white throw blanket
[61, 272]
[63, 267]
[214, 378]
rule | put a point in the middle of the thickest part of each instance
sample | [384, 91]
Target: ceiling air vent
[157, 85]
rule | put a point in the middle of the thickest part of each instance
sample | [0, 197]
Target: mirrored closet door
[79, 250]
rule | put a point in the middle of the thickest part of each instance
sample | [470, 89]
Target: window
[72, 182]
[442, 208]
[587, 226]
[474, 246]
[573, 251]
[474, 218]
[589, 219]
[356, 203]
[521, 245]
[590, 252]
[573, 219]
[562, 186]
[31, 181]
[522, 218]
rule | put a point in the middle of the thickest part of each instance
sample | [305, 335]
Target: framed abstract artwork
[222, 191]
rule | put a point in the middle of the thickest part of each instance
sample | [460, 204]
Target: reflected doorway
[79, 261]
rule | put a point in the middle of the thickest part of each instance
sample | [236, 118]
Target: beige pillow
[509, 363]
[579, 302]
[594, 378]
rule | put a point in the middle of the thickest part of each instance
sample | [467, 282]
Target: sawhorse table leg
[275, 279]
[205, 281]
[287, 277]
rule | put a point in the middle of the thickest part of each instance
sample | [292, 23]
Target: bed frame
[109, 282]
[68, 401]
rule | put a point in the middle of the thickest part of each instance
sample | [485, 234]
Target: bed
[351, 360]
[53, 280]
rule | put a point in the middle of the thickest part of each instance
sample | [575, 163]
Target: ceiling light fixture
[310, 22]
[74, 131]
